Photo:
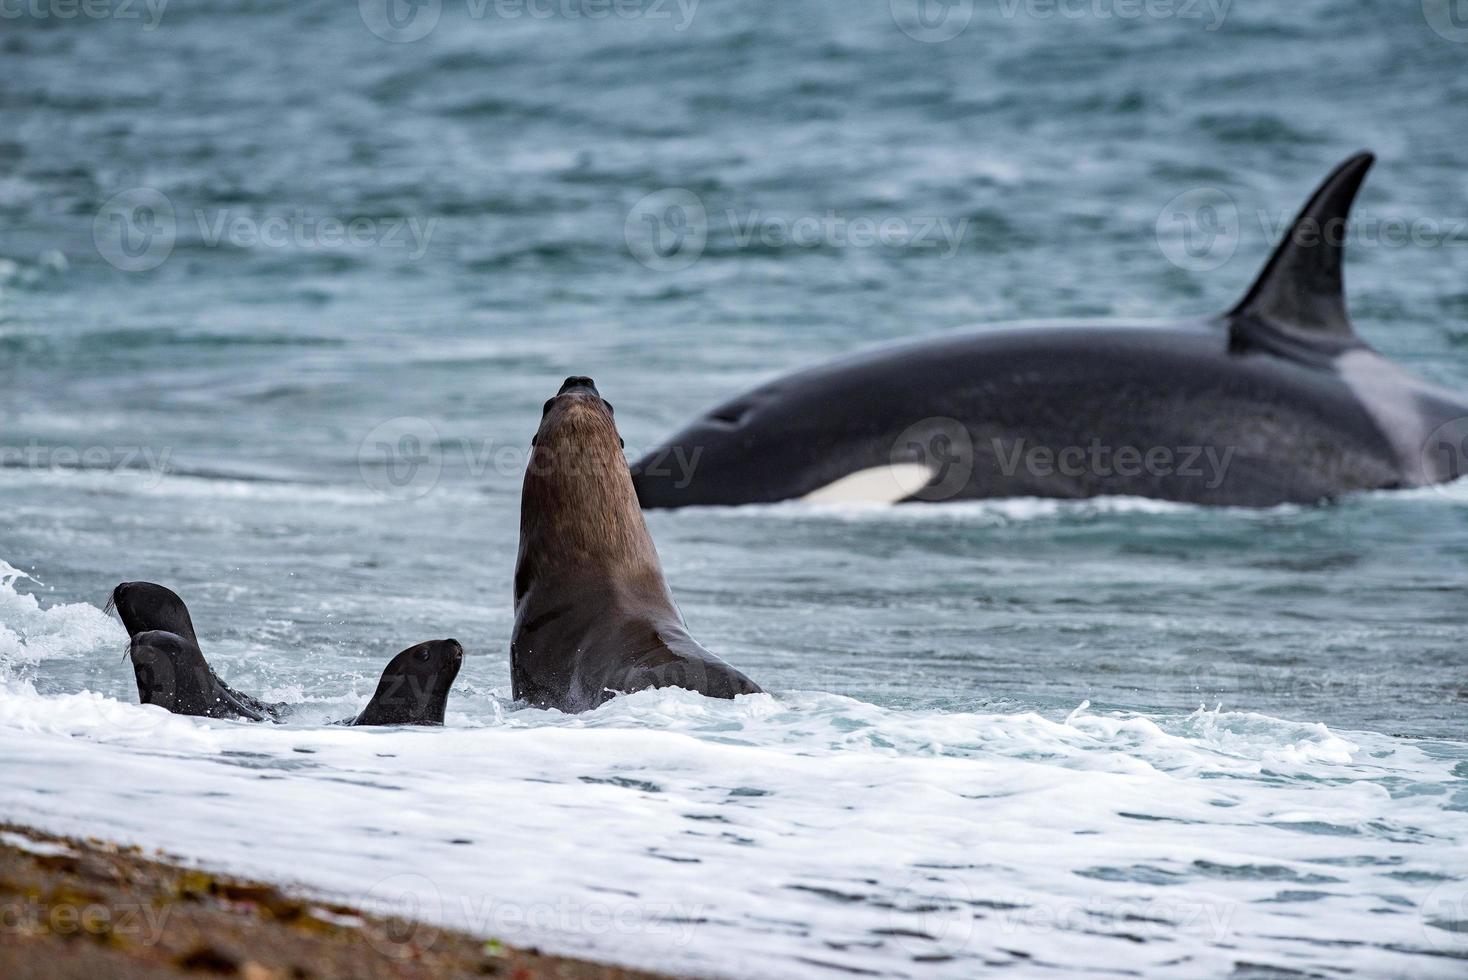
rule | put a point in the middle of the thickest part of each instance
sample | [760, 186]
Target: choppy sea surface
[284, 285]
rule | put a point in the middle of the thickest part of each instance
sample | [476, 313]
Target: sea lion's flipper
[235, 704]
[252, 707]
[1300, 297]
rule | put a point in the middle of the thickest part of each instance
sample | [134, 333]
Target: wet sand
[91, 910]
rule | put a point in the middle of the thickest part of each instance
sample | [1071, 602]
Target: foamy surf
[790, 834]
[1000, 511]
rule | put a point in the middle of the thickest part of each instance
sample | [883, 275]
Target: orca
[1276, 401]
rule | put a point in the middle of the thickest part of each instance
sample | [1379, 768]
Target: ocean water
[284, 285]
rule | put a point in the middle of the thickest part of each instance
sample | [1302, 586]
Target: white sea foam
[29, 632]
[999, 511]
[1012, 510]
[770, 835]
[1453, 493]
[155, 483]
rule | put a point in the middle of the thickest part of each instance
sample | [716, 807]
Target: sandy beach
[88, 908]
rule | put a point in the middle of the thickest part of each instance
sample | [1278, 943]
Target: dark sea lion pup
[593, 614]
[148, 608]
[173, 674]
[414, 689]
[171, 670]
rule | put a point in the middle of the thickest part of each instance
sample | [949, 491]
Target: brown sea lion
[593, 614]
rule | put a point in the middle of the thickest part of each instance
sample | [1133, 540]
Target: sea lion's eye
[422, 656]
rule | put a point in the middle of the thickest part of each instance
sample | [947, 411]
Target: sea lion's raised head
[146, 606]
[171, 672]
[414, 689]
[579, 383]
[579, 411]
[578, 508]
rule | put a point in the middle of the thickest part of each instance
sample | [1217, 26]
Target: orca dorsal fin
[1301, 293]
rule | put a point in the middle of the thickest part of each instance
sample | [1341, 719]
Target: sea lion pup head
[579, 511]
[414, 689]
[172, 673]
[146, 606]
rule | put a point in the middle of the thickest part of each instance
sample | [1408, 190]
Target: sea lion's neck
[580, 520]
[573, 562]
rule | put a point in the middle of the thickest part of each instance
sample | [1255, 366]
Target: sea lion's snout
[118, 599]
[435, 654]
[579, 384]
